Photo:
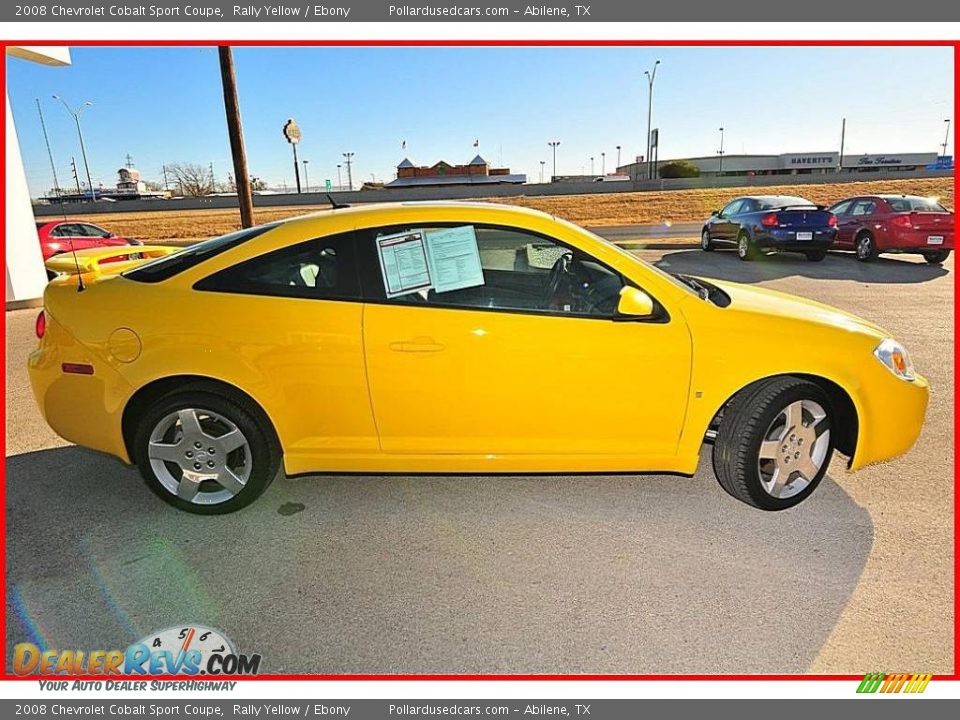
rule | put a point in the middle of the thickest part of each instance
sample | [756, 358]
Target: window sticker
[403, 260]
[454, 258]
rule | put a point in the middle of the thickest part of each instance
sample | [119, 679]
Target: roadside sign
[328, 184]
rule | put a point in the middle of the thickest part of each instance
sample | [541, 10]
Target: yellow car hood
[751, 298]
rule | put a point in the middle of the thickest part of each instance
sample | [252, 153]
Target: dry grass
[677, 206]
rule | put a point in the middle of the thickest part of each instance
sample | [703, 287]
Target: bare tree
[194, 180]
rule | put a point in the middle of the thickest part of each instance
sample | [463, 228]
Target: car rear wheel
[206, 453]
[815, 255]
[706, 242]
[746, 250]
[936, 258]
[866, 247]
[774, 443]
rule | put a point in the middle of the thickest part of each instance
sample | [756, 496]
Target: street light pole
[306, 177]
[339, 180]
[618, 157]
[553, 144]
[591, 164]
[603, 163]
[83, 150]
[720, 170]
[542, 163]
[946, 140]
[651, 77]
[349, 158]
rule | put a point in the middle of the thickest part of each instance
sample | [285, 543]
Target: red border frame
[4, 676]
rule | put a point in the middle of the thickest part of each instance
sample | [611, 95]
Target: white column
[26, 277]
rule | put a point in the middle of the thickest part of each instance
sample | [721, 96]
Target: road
[620, 575]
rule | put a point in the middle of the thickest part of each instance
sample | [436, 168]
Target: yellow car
[454, 338]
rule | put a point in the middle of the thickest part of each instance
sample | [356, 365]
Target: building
[130, 186]
[476, 172]
[811, 163]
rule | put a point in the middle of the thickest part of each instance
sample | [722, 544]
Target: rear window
[169, 265]
[918, 204]
[784, 201]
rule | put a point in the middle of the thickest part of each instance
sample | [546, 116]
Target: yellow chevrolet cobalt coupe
[453, 338]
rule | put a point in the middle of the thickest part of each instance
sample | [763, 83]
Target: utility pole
[348, 156]
[651, 77]
[235, 128]
[720, 153]
[339, 179]
[166, 183]
[129, 163]
[83, 150]
[843, 137]
[542, 163]
[76, 177]
[46, 139]
[306, 177]
[946, 141]
[553, 144]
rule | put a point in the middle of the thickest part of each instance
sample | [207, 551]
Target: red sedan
[874, 224]
[60, 236]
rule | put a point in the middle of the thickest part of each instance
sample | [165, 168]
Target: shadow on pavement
[612, 574]
[725, 265]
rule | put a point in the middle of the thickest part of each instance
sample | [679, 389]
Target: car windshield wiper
[702, 290]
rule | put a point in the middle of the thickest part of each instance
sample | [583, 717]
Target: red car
[873, 224]
[60, 236]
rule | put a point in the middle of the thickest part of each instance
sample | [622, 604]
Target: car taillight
[832, 220]
[770, 220]
[41, 326]
[903, 221]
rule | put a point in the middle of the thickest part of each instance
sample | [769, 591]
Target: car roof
[774, 197]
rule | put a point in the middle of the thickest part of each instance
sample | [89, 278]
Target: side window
[733, 208]
[519, 271]
[842, 208]
[92, 231]
[863, 207]
[66, 230]
[320, 269]
[747, 206]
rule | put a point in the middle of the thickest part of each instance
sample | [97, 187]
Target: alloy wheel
[200, 456]
[794, 448]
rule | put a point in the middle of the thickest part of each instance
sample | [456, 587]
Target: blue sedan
[780, 223]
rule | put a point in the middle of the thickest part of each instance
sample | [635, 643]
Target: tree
[153, 186]
[257, 184]
[679, 169]
[194, 180]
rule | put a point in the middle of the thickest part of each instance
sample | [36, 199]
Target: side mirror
[717, 213]
[634, 303]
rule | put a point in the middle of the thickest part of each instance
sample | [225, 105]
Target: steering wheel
[556, 292]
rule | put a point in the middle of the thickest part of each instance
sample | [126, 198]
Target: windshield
[169, 265]
[915, 204]
[783, 201]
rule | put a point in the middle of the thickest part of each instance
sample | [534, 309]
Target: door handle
[418, 344]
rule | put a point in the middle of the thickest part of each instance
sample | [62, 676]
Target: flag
[476, 143]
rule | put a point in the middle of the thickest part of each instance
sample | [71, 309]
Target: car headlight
[896, 358]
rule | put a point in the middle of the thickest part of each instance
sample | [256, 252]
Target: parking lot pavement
[624, 574]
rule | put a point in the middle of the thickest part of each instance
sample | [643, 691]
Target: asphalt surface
[623, 575]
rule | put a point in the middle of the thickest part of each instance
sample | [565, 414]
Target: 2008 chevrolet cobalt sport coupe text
[454, 338]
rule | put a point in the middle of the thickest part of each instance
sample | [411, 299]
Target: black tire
[706, 242]
[866, 247]
[936, 258]
[815, 255]
[747, 418]
[746, 250]
[264, 449]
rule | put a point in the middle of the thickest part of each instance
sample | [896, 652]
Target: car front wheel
[774, 443]
[206, 453]
[706, 242]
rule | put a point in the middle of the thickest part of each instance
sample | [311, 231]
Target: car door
[845, 223]
[511, 367]
[725, 226]
[860, 216]
[97, 235]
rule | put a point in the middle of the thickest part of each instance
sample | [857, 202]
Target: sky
[165, 105]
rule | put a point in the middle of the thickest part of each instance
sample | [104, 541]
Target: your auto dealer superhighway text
[154, 11]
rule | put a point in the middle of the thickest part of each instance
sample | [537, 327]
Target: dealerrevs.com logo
[190, 650]
[894, 683]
